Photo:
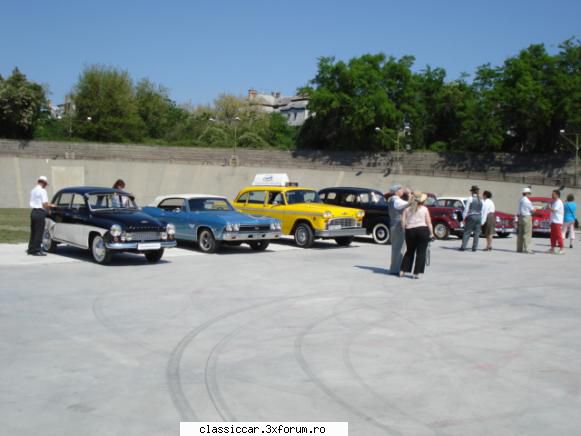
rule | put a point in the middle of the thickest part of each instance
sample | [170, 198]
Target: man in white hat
[396, 206]
[40, 206]
[525, 223]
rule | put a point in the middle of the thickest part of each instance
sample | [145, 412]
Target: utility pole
[401, 133]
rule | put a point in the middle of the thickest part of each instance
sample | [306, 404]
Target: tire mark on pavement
[299, 356]
[173, 370]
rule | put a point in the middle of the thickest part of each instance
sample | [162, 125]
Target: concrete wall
[148, 179]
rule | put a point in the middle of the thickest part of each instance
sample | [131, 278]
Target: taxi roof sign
[271, 180]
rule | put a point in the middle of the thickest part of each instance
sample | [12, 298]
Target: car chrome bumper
[352, 231]
[505, 230]
[547, 231]
[134, 245]
[251, 236]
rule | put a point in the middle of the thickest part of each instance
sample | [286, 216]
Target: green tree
[21, 105]
[157, 111]
[351, 99]
[106, 106]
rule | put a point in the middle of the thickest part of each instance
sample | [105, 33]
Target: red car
[542, 216]
[446, 220]
[505, 222]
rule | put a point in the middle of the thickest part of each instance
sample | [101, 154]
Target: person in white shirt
[396, 207]
[488, 220]
[557, 215]
[40, 206]
[525, 223]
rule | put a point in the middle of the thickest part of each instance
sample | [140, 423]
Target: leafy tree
[21, 105]
[157, 111]
[351, 99]
[105, 106]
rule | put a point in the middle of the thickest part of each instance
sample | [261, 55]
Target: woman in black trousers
[418, 232]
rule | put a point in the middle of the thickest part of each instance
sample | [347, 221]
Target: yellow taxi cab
[300, 211]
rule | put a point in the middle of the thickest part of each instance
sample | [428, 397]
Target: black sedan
[105, 221]
[376, 220]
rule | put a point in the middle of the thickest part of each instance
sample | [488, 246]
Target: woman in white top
[488, 219]
[418, 232]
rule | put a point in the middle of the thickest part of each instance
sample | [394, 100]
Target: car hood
[233, 217]
[504, 215]
[542, 214]
[133, 218]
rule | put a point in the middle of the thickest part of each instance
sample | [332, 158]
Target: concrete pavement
[486, 343]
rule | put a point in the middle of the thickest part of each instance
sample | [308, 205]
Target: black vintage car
[105, 221]
[376, 220]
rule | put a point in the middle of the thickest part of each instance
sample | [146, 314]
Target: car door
[175, 211]
[61, 215]
[371, 214]
[277, 205]
[79, 226]
[256, 203]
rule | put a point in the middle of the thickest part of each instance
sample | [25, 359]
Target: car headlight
[497, 219]
[170, 229]
[236, 227]
[327, 215]
[272, 226]
[163, 236]
[228, 227]
[360, 214]
[536, 222]
[115, 230]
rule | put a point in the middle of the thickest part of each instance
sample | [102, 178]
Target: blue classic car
[105, 221]
[211, 220]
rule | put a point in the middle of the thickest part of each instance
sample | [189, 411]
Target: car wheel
[380, 234]
[344, 241]
[207, 242]
[441, 231]
[304, 237]
[47, 243]
[259, 245]
[101, 254]
[154, 256]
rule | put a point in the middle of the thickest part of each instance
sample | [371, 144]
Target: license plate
[335, 227]
[148, 246]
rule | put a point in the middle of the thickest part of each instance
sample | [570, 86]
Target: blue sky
[199, 49]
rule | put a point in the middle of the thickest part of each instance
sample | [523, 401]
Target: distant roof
[91, 190]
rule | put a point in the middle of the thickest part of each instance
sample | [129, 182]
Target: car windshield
[209, 204]
[302, 196]
[109, 201]
[540, 204]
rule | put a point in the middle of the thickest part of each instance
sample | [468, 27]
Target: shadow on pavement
[119, 259]
[374, 269]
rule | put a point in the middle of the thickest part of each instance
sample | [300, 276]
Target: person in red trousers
[557, 215]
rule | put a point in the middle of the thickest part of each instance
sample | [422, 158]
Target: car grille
[343, 222]
[257, 228]
[144, 236]
[545, 224]
[506, 223]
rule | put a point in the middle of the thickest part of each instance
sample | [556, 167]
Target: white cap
[526, 190]
[43, 179]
